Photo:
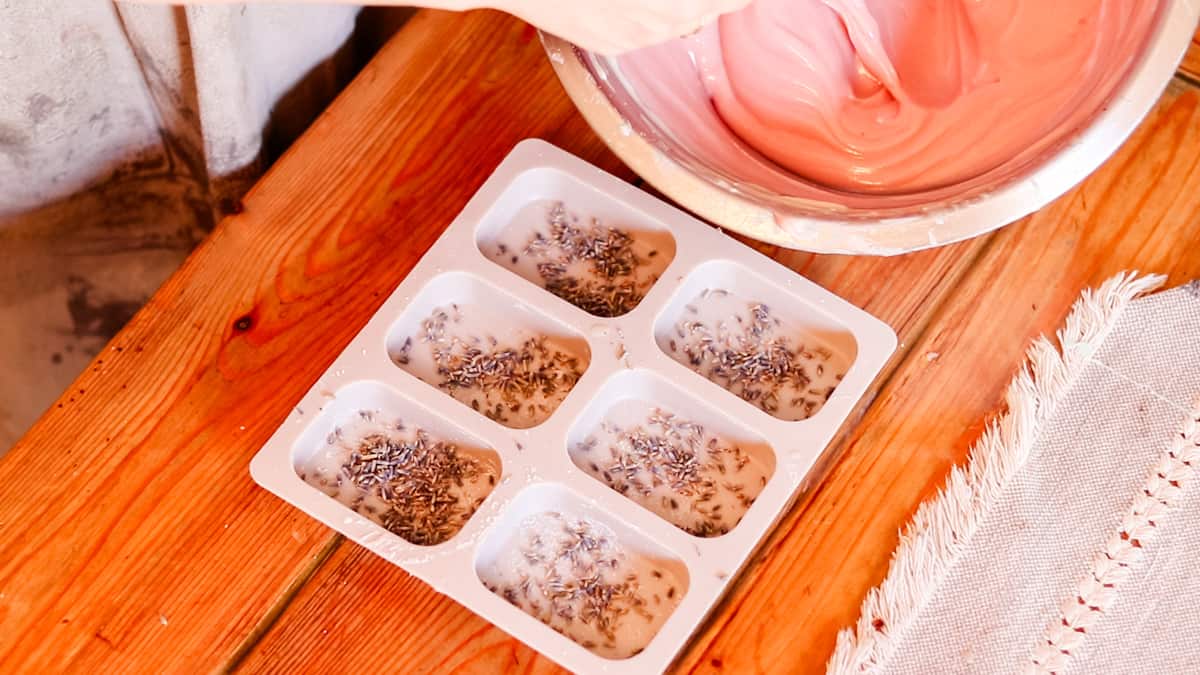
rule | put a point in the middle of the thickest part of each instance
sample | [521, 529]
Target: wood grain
[132, 531]
[828, 552]
[352, 611]
[136, 540]
[350, 615]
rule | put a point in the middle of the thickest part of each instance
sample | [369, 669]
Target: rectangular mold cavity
[488, 310]
[386, 458]
[581, 572]
[662, 449]
[581, 245]
[755, 339]
[489, 351]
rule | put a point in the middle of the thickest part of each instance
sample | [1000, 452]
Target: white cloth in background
[92, 89]
[126, 131]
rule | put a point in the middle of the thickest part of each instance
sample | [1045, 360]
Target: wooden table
[134, 538]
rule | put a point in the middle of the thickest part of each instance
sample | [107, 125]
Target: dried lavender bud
[675, 468]
[419, 488]
[496, 379]
[593, 267]
[573, 575]
[756, 360]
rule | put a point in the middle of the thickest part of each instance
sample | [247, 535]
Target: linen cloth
[1020, 592]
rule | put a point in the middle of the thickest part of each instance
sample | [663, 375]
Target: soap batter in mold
[415, 485]
[898, 96]
[600, 267]
[574, 575]
[512, 375]
[768, 359]
[698, 480]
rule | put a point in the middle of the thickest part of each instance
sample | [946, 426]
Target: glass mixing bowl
[767, 202]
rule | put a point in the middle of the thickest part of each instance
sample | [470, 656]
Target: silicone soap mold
[579, 414]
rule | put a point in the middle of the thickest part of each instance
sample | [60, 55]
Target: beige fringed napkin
[1070, 543]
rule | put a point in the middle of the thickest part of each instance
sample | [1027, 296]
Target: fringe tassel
[943, 525]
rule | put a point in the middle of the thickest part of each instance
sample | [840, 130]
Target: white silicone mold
[627, 367]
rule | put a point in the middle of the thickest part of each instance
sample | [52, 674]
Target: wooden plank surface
[348, 616]
[141, 541]
[132, 530]
[1190, 67]
[833, 548]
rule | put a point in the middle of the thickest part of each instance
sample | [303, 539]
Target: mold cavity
[586, 248]
[395, 463]
[581, 572]
[685, 462]
[488, 351]
[760, 342]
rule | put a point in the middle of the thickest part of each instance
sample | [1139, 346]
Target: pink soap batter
[896, 96]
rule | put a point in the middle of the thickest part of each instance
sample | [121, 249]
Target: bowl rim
[1077, 157]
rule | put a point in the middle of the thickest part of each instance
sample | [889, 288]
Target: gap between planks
[285, 598]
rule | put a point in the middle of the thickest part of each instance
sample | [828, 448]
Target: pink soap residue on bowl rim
[755, 197]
